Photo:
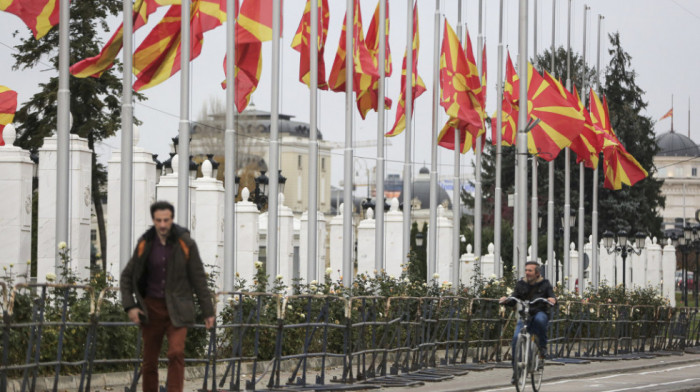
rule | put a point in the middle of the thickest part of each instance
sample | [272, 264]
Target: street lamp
[214, 166]
[685, 243]
[696, 243]
[193, 168]
[419, 239]
[168, 165]
[159, 167]
[623, 248]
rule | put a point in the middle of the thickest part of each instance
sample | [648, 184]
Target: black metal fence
[269, 341]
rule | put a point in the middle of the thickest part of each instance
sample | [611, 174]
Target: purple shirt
[157, 263]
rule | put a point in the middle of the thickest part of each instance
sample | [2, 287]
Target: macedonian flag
[509, 117]
[39, 15]
[8, 106]
[300, 43]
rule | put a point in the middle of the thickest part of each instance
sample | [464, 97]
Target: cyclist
[529, 288]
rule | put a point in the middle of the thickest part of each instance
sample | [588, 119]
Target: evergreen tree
[631, 208]
[95, 103]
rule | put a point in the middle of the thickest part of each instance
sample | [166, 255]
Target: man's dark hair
[538, 268]
[162, 205]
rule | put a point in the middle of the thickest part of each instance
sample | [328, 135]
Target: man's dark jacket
[527, 292]
[185, 276]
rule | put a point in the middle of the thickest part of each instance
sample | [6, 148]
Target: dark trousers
[537, 327]
[158, 325]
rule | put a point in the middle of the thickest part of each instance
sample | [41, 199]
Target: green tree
[95, 102]
[632, 208]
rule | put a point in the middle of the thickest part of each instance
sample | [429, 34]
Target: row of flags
[558, 117]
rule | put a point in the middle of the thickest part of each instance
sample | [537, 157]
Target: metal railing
[270, 341]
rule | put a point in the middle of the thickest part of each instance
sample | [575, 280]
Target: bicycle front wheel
[520, 362]
[537, 368]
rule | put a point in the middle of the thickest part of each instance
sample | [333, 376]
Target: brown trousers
[158, 325]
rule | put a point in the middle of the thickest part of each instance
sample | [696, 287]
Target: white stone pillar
[247, 237]
[144, 195]
[80, 207]
[167, 191]
[467, 270]
[444, 246]
[487, 262]
[210, 235]
[16, 170]
[366, 241]
[286, 241]
[653, 251]
[607, 266]
[573, 275]
[336, 245]
[636, 265]
[304, 245]
[587, 252]
[393, 238]
[668, 272]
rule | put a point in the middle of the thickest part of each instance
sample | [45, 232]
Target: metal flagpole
[521, 145]
[477, 157]
[567, 169]
[407, 162]
[63, 131]
[595, 260]
[347, 191]
[230, 265]
[273, 167]
[379, 205]
[183, 180]
[498, 196]
[312, 266]
[127, 144]
[455, 178]
[581, 173]
[533, 197]
[432, 232]
[551, 260]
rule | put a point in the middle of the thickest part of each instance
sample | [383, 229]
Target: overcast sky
[660, 36]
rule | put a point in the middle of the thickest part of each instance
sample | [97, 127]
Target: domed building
[677, 163]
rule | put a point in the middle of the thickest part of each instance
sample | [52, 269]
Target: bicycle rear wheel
[537, 368]
[520, 363]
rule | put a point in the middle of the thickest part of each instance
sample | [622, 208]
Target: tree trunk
[97, 202]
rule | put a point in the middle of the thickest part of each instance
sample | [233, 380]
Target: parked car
[679, 280]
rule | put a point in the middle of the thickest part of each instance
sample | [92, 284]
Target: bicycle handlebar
[534, 301]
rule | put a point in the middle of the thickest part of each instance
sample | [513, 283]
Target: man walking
[157, 288]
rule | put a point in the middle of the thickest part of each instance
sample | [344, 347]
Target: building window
[694, 172]
[680, 172]
[299, 162]
[93, 235]
[323, 163]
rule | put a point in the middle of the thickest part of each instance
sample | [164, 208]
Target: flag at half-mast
[619, 166]
[253, 27]
[301, 40]
[462, 94]
[368, 84]
[95, 66]
[8, 106]
[667, 115]
[158, 56]
[39, 15]
[509, 117]
[362, 59]
[417, 85]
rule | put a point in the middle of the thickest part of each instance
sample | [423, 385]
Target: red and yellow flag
[300, 43]
[8, 106]
[368, 98]
[96, 65]
[509, 118]
[158, 56]
[362, 59]
[462, 94]
[619, 166]
[418, 87]
[39, 15]
[667, 115]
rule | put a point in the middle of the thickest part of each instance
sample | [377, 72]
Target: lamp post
[696, 244]
[623, 247]
[685, 243]
[260, 196]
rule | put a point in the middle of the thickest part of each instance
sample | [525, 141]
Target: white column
[587, 268]
[607, 266]
[444, 246]
[144, 195]
[286, 241]
[167, 191]
[637, 268]
[320, 252]
[668, 272]
[574, 259]
[365, 245]
[393, 229]
[467, 270]
[80, 207]
[487, 263]
[247, 237]
[336, 245]
[210, 235]
[16, 169]
[653, 251]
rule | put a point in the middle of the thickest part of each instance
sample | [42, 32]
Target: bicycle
[526, 354]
